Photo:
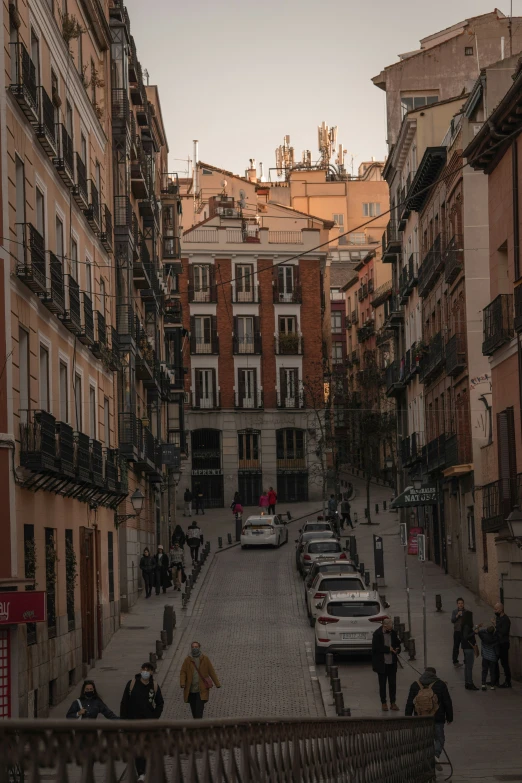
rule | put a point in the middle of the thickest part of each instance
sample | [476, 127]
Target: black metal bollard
[396, 623]
[339, 703]
[159, 649]
[169, 622]
[153, 659]
[329, 663]
[438, 602]
[229, 538]
[239, 527]
[366, 513]
[163, 637]
[384, 505]
[361, 569]
[411, 649]
[375, 586]
[334, 671]
[346, 713]
[406, 639]
[383, 598]
[376, 508]
[220, 542]
[289, 516]
[367, 578]
[336, 685]
[190, 581]
[355, 559]
[402, 628]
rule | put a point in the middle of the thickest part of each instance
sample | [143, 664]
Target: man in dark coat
[386, 646]
[444, 711]
[142, 700]
[503, 627]
[162, 570]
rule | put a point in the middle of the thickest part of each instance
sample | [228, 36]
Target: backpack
[426, 702]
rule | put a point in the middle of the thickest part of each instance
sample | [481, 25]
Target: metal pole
[406, 574]
[424, 634]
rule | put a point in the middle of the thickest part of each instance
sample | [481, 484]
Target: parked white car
[346, 623]
[315, 525]
[328, 583]
[310, 535]
[325, 548]
[327, 567]
[264, 531]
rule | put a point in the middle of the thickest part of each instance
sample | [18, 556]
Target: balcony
[518, 308]
[38, 441]
[65, 449]
[291, 344]
[354, 318]
[408, 279]
[82, 457]
[54, 298]
[411, 449]
[247, 344]
[99, 347]
[252, 401]
[120, 110]
[86, 335]
[285, 237]
[96, 460]
[46, 128]
[23, 86]
[173, 314]
[204, 294]
[93, 212]
[80, 190]
[72, 315]
[171, 248]
[64, 161]
[145, 459]
[32, 269]
[123, 214]
[381, 294]
[366, 331]
[290, 400]
[141, 176]
[498, 499]
[430, 268]
[395, 315]
[383, 336]
[142, 267]
[253, 295]
[128, 434]
[453, 258]
[125, 323]
[436, 453]
[458, 449]
[283, 295]
[206, 401]
[203, 345]
[113, 356]
[394, 379]
[498, 323]
[433, 360]
[405, 451]
[456, 355]
[391, 243]
[107, 232]
[355, 358]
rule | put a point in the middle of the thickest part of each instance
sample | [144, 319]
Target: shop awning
[427, 495]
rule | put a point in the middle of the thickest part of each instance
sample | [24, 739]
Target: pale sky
[240, 74]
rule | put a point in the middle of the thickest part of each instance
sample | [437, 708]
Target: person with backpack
[386, 646]
[187, 503]
[272, 500]
[89, 705]
[197, 677]
[345, 514]
[429, 695]
[142, 700]
[490, 653]
[194, 540]
[470, 649]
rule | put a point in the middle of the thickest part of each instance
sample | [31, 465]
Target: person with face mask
[142, 700]
[89, 705]
[196, 678]
[386, 646]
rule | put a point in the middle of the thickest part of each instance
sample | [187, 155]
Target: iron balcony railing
[253, 295]
[99, 346]
[248, 400]
[206, 401]
[250, 343]
[93, 213]
[120, 107]
[72, 317]
[289, 344]
[395, 381]
[433, 360]
[80, 191]
[391, 242]
[32, 267]
[125, 320]
[202, 294]
[114, 356]
[54, 298]
[456, 354]
[199, 344]
[46, 128]
[128, 432]
[518, 308]
[316, 750]
[395, 314]
[38, 441]
[290, 400]
[64, 161]
[498, 500]
[498, 323]
[291, 297]
[381, 293]
[458, 448]
[96, 458]
[171, 247]
[106, 235]
[82, 457]
[24, 86]
[173, 313]
[65, 449]
[87, 333]
[436, 453]
[453, 258]
[430, 267]
[122, 213]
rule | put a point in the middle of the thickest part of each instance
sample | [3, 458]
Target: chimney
[251, 173]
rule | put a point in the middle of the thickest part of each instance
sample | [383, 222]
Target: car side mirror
[318, 606]
[386, 605]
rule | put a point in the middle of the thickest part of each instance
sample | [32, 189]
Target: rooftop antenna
[284, 157]
[327, 139]
[146, 75]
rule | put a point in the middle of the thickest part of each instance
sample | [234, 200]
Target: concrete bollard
[411, 649]
[329, 663]
[336, 685]
[361, 569]
[153, 659]
[339, 703]
[220, 542]
[159, 649]
[169, 622]
[367, 578]
[163, 637]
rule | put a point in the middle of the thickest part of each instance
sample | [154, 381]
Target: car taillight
[243, 532]
[323, 640]
[319, 595]
[306, 557]
[378, 618]
[327, 620]
[342, 556]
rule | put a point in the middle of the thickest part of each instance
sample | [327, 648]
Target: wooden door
[87, 555]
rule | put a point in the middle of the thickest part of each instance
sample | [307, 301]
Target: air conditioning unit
[229, 212]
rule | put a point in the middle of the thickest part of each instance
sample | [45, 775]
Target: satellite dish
[224, 183]
[242, 198]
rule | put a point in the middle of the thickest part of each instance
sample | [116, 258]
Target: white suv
[346, 623]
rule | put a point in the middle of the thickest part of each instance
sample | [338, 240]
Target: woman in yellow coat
[196, 678]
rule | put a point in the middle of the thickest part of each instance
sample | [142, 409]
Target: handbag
[207, 680]
[476, 650]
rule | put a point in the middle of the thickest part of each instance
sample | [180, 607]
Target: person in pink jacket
[264, 502]
[272, 500]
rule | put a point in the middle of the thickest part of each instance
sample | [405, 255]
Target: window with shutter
[507, 461]
[282, 386]
[214, 338]
[197, 377]
[214, 390]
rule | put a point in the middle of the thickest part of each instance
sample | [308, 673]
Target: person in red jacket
[272, 500]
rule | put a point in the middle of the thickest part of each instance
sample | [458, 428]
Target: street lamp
[514, 522]
[388, 463]
[417, 484]
[136, 500]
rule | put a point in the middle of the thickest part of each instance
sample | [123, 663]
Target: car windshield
[317, 526]
[341, 583]
[329, 568]
[324, 546]
[310, 534]
[353, 608]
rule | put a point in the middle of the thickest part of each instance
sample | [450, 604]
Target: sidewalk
[140, 627]
[483, 741]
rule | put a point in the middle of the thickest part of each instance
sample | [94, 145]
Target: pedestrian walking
[469, 646]
[345, 514]
[236, 500]
[503, 627]
[198, 499]
[187, 503]
[489, 649]
[456, 619]
[386, 646]
[332, 506]
[196, 678]
[162, 571]
[142, 700]
[272, 500]
[429, 695]
[194, 540]
[177, 565]
[147, 567]
[178, 536]
[89, 704]
[263, 502]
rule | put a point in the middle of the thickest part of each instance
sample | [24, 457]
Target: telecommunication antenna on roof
[284, 157]
[327, 139]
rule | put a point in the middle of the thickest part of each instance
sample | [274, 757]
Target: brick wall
[267, 317]
[311, 321]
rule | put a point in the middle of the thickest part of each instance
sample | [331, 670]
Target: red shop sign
[26, 607]
[413, 544]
